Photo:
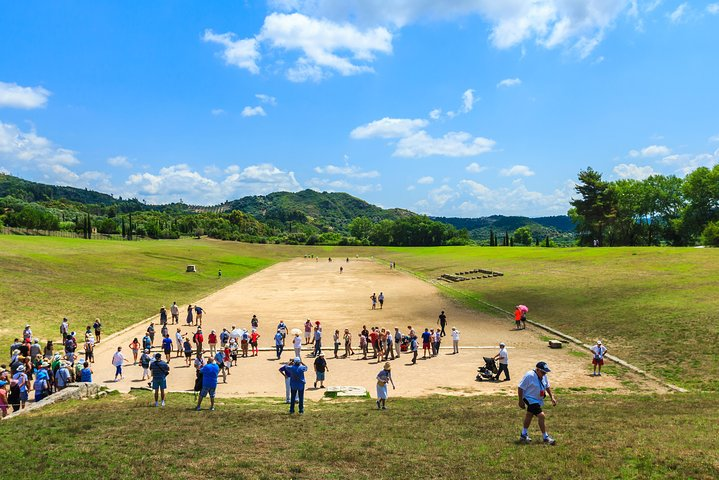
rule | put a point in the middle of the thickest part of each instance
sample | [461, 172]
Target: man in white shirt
[117, 360]
[531, 392]
[175, 312]
[297, 343]
[503, 358]
[599, 351]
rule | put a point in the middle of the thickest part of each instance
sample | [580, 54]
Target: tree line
[660, 210]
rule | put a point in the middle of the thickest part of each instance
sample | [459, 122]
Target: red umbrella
[523, 308]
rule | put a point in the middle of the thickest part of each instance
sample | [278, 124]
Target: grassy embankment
[598, 437]
[46, 278]
[655, 307]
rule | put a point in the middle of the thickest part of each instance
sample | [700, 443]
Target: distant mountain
[560, 228]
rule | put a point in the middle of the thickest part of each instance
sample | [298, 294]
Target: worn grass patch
[450, 437]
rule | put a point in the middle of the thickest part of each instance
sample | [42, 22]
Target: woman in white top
[297, 342]
[455, 340]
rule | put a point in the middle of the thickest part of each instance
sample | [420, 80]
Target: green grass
[47, 278]
[598, 437]
[655, 307]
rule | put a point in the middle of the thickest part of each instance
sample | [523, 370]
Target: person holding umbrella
[520, 316]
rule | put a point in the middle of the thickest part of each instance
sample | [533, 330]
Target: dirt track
[295, 290]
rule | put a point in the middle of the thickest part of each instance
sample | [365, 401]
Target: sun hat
[44, 365]
[16, 352]
[21, 368]
[599, 342]
[543, 367]
[388, 366]
[501, 344]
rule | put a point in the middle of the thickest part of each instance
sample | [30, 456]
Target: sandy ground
[295, 290]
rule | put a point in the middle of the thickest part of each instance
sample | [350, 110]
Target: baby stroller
[404, 346]
[488, 371]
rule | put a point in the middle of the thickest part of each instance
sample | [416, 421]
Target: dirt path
[295, 290]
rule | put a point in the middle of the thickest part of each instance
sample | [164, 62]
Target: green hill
[559, 228]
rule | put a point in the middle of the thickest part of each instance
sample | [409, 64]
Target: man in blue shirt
[209, 382]
[167, 346]
[297, 385]
[279, 343]
[159, 369]
[531, 391]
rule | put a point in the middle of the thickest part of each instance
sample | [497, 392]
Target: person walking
[297, 385]
[414, 348]
[187, 348]
[178, 341]
[145, 360]
[167, 347]
[397, 341]
[279, 343]
[384, 377]
[163, 315]
[503, 358]
[175, 312]
[389, 345]
[199, 313]
[348, 344]
[117, 360]
[151, 332]
[599, 351]
[320, 367]
[97, 326]
[146, 342]
[336, 340]
[531, 391]
[442, 322]
[189, 319]
[455, 340]
[160, 370]
[209, 373]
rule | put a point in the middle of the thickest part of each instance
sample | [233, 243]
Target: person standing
[318, 341]
[97, 326]
[212, 342]
[20, 378]
[254, 321]
[178, 340]
[442, 321]
[517, 318]
[146, 342]
[308, 333]
[380, 298]
[389, 345]
[599, 351]
[503, 358]
[279, 343]
[199, 312]
[135, 349]
[254, 337]
[426, 343]
[198, 340]
[297, 343]
[151, 332]
[531, 392]
[363, 345]
[384, 377]
[163, 315]
[167, 347]
[187, 348]
[145, 360]
[336, 340]
[64, 329]
[117, 360]
[189, 319]
[209, 374]
[347, 337]
[86, 373]
[397, 341]
[297, 385]
[175, 312]
[286, 375]
[455, 340]
[373, 297]
[321, 367]
[160, 370]
[413, 347]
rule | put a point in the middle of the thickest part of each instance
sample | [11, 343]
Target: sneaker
[524, 438]
[384, 408]
[198, 409]
[155, 403]
[549, 440]
[162, 404]
[212, 409]
[378, 405]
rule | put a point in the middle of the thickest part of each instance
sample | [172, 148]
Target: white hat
[599, 342]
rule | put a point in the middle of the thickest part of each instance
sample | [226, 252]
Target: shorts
[320, 376]
[534, 408]
[118, 370]
[206, 390]
[23, 396]
[188, 354]
[598, 361]
[168, 351]
[159, 383]
[426, 345]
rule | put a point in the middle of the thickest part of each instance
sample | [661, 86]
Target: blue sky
[445, 107]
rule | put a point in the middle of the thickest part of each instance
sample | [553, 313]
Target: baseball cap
[501, 344]
[543, 367]
[158, 356]
[599, 342]
[298, 360]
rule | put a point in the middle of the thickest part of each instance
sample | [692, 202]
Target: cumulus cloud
[350, 171]
[441, 195]
[242, 53]
[425, 180]
[651, 151]
[119, 161]
[632, 171]
[13, 95]
[339, 185]
[17, 146]
[509, 82]
[389, 128]
[266, 99]
[679, 13]
[435, 114]
[452, 144]
[474, 167]
[253, 111]
[514, 200]
[468, 101]
[517, 171]
[578, 24]
[686, 163]
[713, 8]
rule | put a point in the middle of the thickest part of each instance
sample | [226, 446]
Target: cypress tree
[506, 239]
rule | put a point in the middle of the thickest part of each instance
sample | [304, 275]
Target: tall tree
[596, 209]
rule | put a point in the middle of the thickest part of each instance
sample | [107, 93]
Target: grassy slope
[44, 279]
[436, 437]
[656, 307]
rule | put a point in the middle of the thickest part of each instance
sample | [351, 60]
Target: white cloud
[217, 112]
[509, 82]
[655, 151]
[60, 174]
[266, 99]
[452, 144]
[630, 170]
[435, 114]
[514, 200]
[425, 180]
[350, 171]
[341, 186]
[578, 24]
[474, 167]
[441, 195]
[686, 163]
[517, 170]
[261, 179]
[119, 161]
[677, 15]
[13, 95]
[17, 146]
[468, 101]
[389, 128]
[714, 138]
[651, 6]
[243, 53]
[410, 188]
[253, 111]
[713, 8]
